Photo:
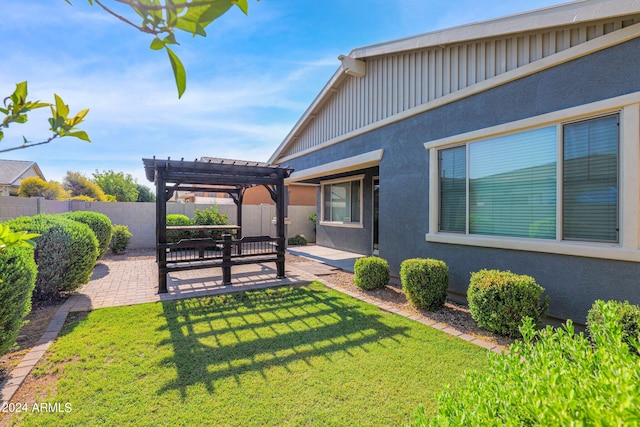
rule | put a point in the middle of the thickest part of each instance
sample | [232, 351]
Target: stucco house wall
[601, 81]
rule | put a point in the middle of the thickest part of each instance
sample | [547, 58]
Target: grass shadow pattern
[277, 329]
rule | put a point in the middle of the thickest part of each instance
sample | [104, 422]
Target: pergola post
[161, 229]
[280, 212]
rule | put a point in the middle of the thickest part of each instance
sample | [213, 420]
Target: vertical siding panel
[501, 56]
[374, 92]
[410, 81]
[480, 64]
[462, 72]
[438, 69]
[490, 63]
[471, 64]
[445, 71]
[387, 88]
[418, 78]
[430, 76]
[454, 69]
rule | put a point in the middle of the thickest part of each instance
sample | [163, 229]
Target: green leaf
[80, 135]
[157, 44]
[61, 108]
[178, 72]
[243, 5]
[20, 93]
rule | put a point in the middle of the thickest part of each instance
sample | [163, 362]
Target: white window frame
[627, 249]
[345, 224]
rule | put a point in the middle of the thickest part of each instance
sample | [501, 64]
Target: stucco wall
[573, 283]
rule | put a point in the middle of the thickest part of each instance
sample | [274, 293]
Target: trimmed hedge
[65, 252]
[297, 240]
[371, 273]
[18, 273]
[178, 219]
[499, 300]
[425, 281]
[121, 238]
[626, 314]
[99, 223]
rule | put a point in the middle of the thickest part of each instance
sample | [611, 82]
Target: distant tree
[34, 186]
[123, 187]
[145, 194]
[79, 185]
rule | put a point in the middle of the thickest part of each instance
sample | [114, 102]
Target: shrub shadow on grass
[235, 334]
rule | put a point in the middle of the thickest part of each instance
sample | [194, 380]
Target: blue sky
[249, 80]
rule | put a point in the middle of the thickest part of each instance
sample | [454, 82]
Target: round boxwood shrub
[178, 219]
[499, 300]
[65, 252]
[425, 281]
[121, 238]
[99, 223]
[626, 315]
[17, 278]
[297, 240]
[371, 273]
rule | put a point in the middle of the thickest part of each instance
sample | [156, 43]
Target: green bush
[99, 223]
[211, 216]
[627, 315]
[17, 279]
[554, 377]
[371, 273]
[65, 252]
[178, 220]
[121, 238]
[499, 300]
[425, 281]
[298, 240]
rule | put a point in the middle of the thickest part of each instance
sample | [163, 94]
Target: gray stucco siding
[571, 282]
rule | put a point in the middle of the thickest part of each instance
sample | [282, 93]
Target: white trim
[361, 161]
[341, 224]
[343, 179]
[628, 107]
[575, 12]
[590, 250]
[353, 224]
[629, 200]
[581, 50]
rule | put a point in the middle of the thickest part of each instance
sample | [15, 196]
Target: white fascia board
[361, 161]
[565, 14]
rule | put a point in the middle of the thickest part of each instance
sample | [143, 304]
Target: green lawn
[285, 356]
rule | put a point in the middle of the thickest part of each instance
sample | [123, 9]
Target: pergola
[219, 176]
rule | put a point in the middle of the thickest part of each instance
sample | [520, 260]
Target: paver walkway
[135, 281]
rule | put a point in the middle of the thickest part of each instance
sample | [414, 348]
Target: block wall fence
[141, 217]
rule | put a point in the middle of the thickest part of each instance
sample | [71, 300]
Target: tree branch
[29, 145]
[135, 4]
[125, 20]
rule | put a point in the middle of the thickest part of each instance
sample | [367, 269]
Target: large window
[508, 186]
[342, 202]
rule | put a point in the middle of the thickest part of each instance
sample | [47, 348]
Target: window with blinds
[508, 185]
[341, 202]
[590, 180]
